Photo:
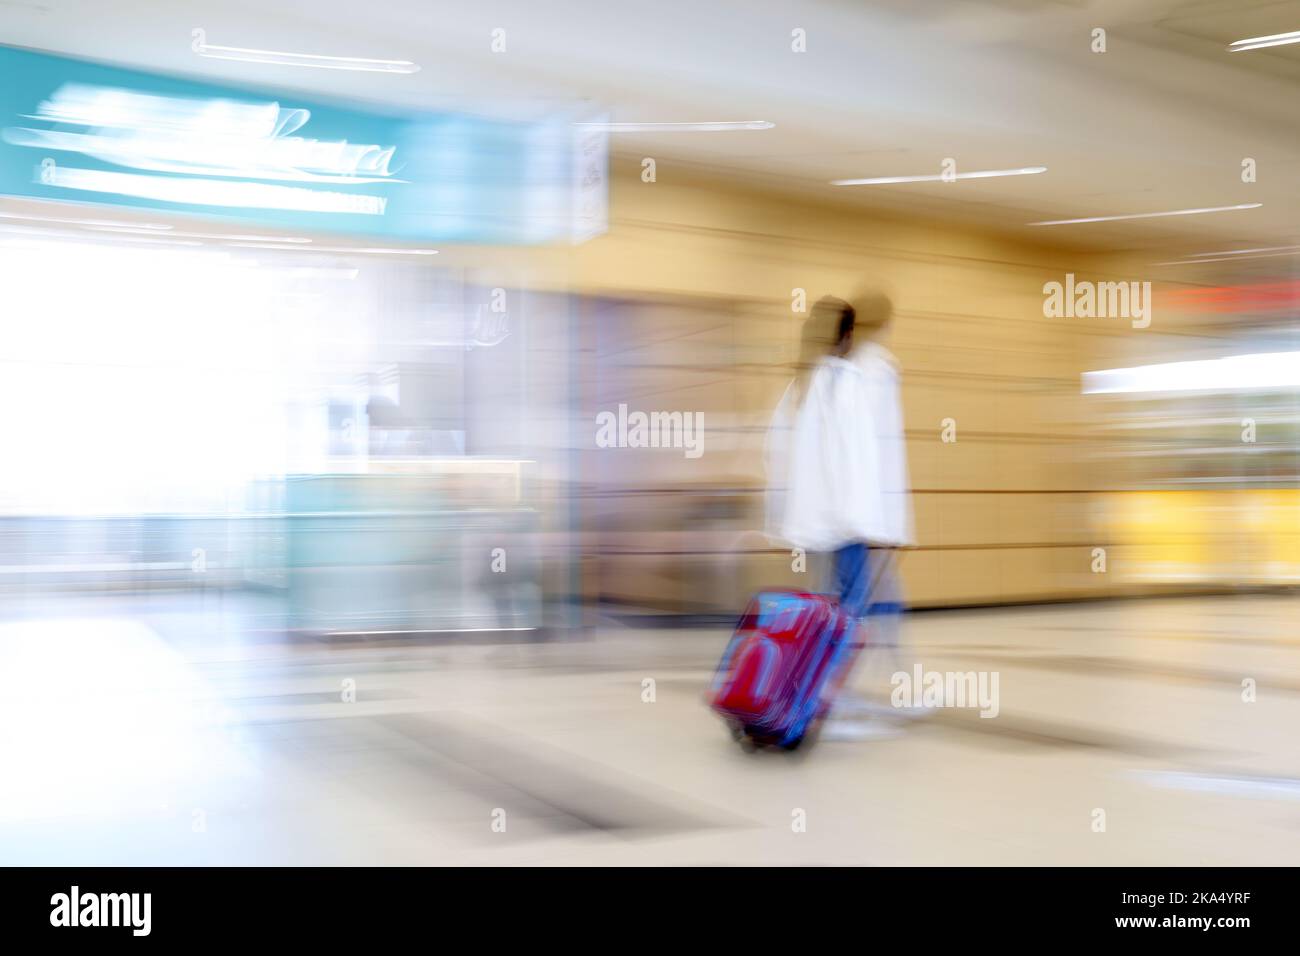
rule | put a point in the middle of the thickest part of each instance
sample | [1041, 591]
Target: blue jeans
[852, 569]
[877, 609]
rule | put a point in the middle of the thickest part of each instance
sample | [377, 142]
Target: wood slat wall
[687, 306]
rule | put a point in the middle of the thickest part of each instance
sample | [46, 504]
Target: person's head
[874, 312]
[827, 331]
[830, 326]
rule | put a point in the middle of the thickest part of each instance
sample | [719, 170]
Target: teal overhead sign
[78, 131]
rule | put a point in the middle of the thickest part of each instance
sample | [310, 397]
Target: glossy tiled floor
[178, 732]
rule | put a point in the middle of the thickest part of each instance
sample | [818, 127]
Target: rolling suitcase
[786, 660]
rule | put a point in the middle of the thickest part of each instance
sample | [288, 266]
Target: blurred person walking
[837, 477]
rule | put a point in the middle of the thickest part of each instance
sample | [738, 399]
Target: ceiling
[1160, 121]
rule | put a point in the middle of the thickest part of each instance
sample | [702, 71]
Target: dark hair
[848, 318]
[831, 322]
[838, 315]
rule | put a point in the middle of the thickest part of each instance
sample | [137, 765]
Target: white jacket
[837, 465]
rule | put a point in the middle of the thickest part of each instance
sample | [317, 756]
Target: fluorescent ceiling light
[938, 177]
[715, 127]
[368, 251]
[1258, 43]
[217, 235]
[1146, 215]
[1228, 374]
[1242, 252]
[46, 235]
[93, 223]
[1235, 255]
[378, 251]
[228, 238]
[283, 58]
[209, 235]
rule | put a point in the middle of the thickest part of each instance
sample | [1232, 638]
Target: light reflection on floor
[179, 733]
[105, 730]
